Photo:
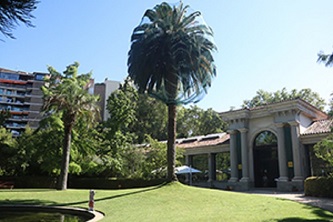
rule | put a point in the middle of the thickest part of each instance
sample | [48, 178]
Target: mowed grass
[173, 202]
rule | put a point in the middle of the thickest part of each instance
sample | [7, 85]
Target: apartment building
[21, 95]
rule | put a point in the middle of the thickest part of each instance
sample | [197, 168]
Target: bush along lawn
[172, 202]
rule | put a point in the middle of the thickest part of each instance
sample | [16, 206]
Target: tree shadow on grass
[297, 219]
[25, 190]
[26, 201]
[53, 203]
[115, 196]
[323, 215]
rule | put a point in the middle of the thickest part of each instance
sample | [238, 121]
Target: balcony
[15, 126]
[29, 95]
[18, 118]
[13, 81]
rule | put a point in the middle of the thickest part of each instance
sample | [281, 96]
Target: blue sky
[262, 44]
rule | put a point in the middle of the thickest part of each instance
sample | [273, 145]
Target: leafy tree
[171, 59]
[7, 152]
[211, 122]
[4, 115]
[32, 149]
[121, 106]
[151, 115]
[188, 121]
[134, 160]
[264, 97]
[115, 133]
[112, 152]
[330, 111]
[12, 12]
[85, 146]
[156, 160]
[47, 139]
[324, 150]
[136, 113]
[195, 121]
[68, 96]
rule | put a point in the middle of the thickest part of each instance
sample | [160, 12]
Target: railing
[14, 86]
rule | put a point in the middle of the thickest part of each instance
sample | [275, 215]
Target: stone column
[188, 162]
[211, 167]
[245, 156]
[282, 153]
[296, 152]
[233, 157]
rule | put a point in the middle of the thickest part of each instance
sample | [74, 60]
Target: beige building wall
[104, 90]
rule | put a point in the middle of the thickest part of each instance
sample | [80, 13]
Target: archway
[265, 158]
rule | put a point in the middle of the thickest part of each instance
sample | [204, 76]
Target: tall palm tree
[171, 59]
[68, 96]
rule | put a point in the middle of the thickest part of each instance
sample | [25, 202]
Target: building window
[39, 77]
[9, 76]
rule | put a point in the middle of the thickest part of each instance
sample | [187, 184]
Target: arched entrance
[265, 156]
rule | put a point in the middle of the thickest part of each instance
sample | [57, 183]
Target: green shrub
[80, 183]
[319, 186]
[31, 181]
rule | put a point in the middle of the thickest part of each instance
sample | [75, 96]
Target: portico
[268, 145]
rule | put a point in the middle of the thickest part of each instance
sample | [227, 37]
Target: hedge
[31, 181]
[79, 183]
[319, 187]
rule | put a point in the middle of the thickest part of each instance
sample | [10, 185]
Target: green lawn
[173, 202]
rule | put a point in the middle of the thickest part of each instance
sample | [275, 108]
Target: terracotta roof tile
[320, 126]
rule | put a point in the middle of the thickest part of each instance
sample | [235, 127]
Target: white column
[245, 156]
[296, 152]
[211, 167]
[188, 162]
[233, 157]
[283, 170]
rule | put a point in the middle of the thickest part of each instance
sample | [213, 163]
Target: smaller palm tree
[67, 95]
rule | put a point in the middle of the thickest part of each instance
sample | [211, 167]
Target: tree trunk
[171, 152]
[66, 150]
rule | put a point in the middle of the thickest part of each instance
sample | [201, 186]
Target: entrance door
[266, 166]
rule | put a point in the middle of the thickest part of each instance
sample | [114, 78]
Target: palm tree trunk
[66, 150]
[171, 152]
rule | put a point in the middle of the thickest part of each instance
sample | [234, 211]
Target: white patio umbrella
[186, 170]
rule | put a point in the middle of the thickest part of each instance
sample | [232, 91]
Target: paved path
[324, 203]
